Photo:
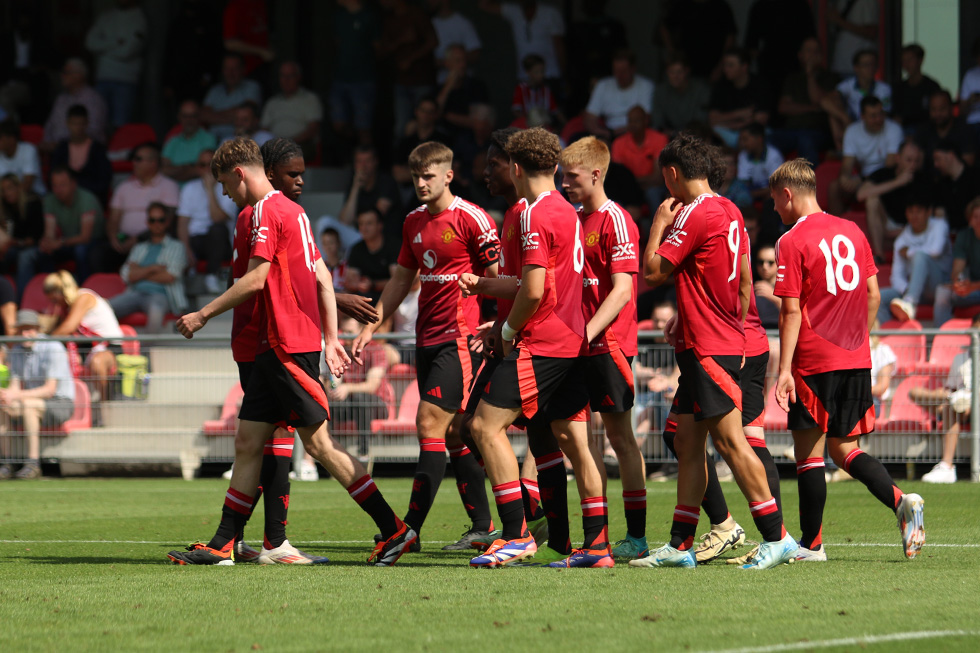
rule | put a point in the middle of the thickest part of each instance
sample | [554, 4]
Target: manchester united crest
[592, 239]
[448, 235]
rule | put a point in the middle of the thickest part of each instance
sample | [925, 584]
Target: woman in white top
[883, 361]
[88, 314]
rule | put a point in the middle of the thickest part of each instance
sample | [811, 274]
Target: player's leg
[553, 485]
[534, 512]
[632, 471]
[432, 422]
[471, 484]
[808, 447]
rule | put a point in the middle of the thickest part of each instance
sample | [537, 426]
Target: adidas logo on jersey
[418, 239]
[435, 392]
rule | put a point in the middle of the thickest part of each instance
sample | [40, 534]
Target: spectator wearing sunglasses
[765, 280]
[152, 273]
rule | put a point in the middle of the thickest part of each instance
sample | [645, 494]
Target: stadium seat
[644, 325]
[572, 128]
[106, 284]
[34, 297]
[885, 275]
[33, 134]
[944, 350]
[81, 417]
[404, 423]
[225, 425]
[860, 218]
[825, 173]
[124, 140]
[910, 350]
[966, 312]
[775, 418]
[130, 347]
[908, 325]
[138, 319]
[905, 416]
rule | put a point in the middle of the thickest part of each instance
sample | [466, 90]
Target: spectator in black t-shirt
[957, 185]
[21, 227]
[371, 262]
[701, 30]
[86, 156]
[737, 100]
[373, 189]
[460, 92]
[910, 101]
[886, 193]
[942, 125]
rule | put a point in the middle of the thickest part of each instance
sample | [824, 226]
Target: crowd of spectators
[904, 149]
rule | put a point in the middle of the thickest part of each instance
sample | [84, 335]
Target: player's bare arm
[619, 295]
[334, 354]
[874, 300]
[251, 283]
[358, 307]
[790, 318]
[394, 293]
[657, 269]
[472, 284]
[526, 302]
[745, 285]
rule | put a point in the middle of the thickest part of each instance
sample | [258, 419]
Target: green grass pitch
[83, 568]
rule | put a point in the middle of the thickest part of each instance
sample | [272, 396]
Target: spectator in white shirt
[296, 112]
[453, 28]
[203, 217]
[538, 29]
[863, 84]
[757, 159]
[613, 97]
[872, 144]
[923, 260]
[20, 158]
[118, 39]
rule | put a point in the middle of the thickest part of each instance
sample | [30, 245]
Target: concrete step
[138, 414]
[127, 444]
[191, 388]
[189, 358]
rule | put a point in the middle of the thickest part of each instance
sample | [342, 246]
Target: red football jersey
[612, 241]
[756, 340]
[705, 245]
[551, 237]
[509, 263]
[244, 320]
[288, 306]
[461, 239]
[826, 262]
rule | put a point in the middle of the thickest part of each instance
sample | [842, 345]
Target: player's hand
[337, 359]
[493, 340]
[785, 390]
[358, 307]
[670, 331]
[190, 323]
[469, 284]
[506, 346]
[360, 342]
[667, 211]
[478, 345]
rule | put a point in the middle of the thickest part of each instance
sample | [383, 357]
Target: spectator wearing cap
[75, 92]
[964, 287]
[957, 183]
[923, 260]
[41, 391]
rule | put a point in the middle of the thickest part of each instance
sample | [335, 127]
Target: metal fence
[172, 404]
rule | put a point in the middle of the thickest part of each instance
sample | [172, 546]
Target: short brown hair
[237, 153]
[536, 150]
[971, 207]
[589, 152]
[428, 154]
[796, 174]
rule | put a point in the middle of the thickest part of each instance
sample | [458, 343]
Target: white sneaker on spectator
[941, 473]
[902, 309]
[308, 472]
[227, 475]
[212, 284]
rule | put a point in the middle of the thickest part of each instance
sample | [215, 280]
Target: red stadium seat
[131, 347]
[905, 415]
[81, 417]
[775, 418]
[860, 218]
[825, 173]
[124, 140]
[910, 350]
[106, 284]
[944, 349]
[644, 325]
[33, 134]
[573, 127]
[908, 325]
[966, 312]
[138, 319]
[225, 425]
[34, 297]
[404, 423]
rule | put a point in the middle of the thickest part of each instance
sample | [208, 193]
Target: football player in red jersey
[297, 315]
[612, 262]
[443, 239]
[704, 252]
[828, 281]
[541, 375]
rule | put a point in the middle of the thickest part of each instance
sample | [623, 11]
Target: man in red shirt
[443, 239]
[828, 281]
[612, 261]
[638, 149]
[295, 305]
[540, 376]
[704, 251]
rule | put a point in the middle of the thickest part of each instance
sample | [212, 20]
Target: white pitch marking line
[853, 641]
[929, 545]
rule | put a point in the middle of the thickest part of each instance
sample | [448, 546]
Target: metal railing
[173, 404]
